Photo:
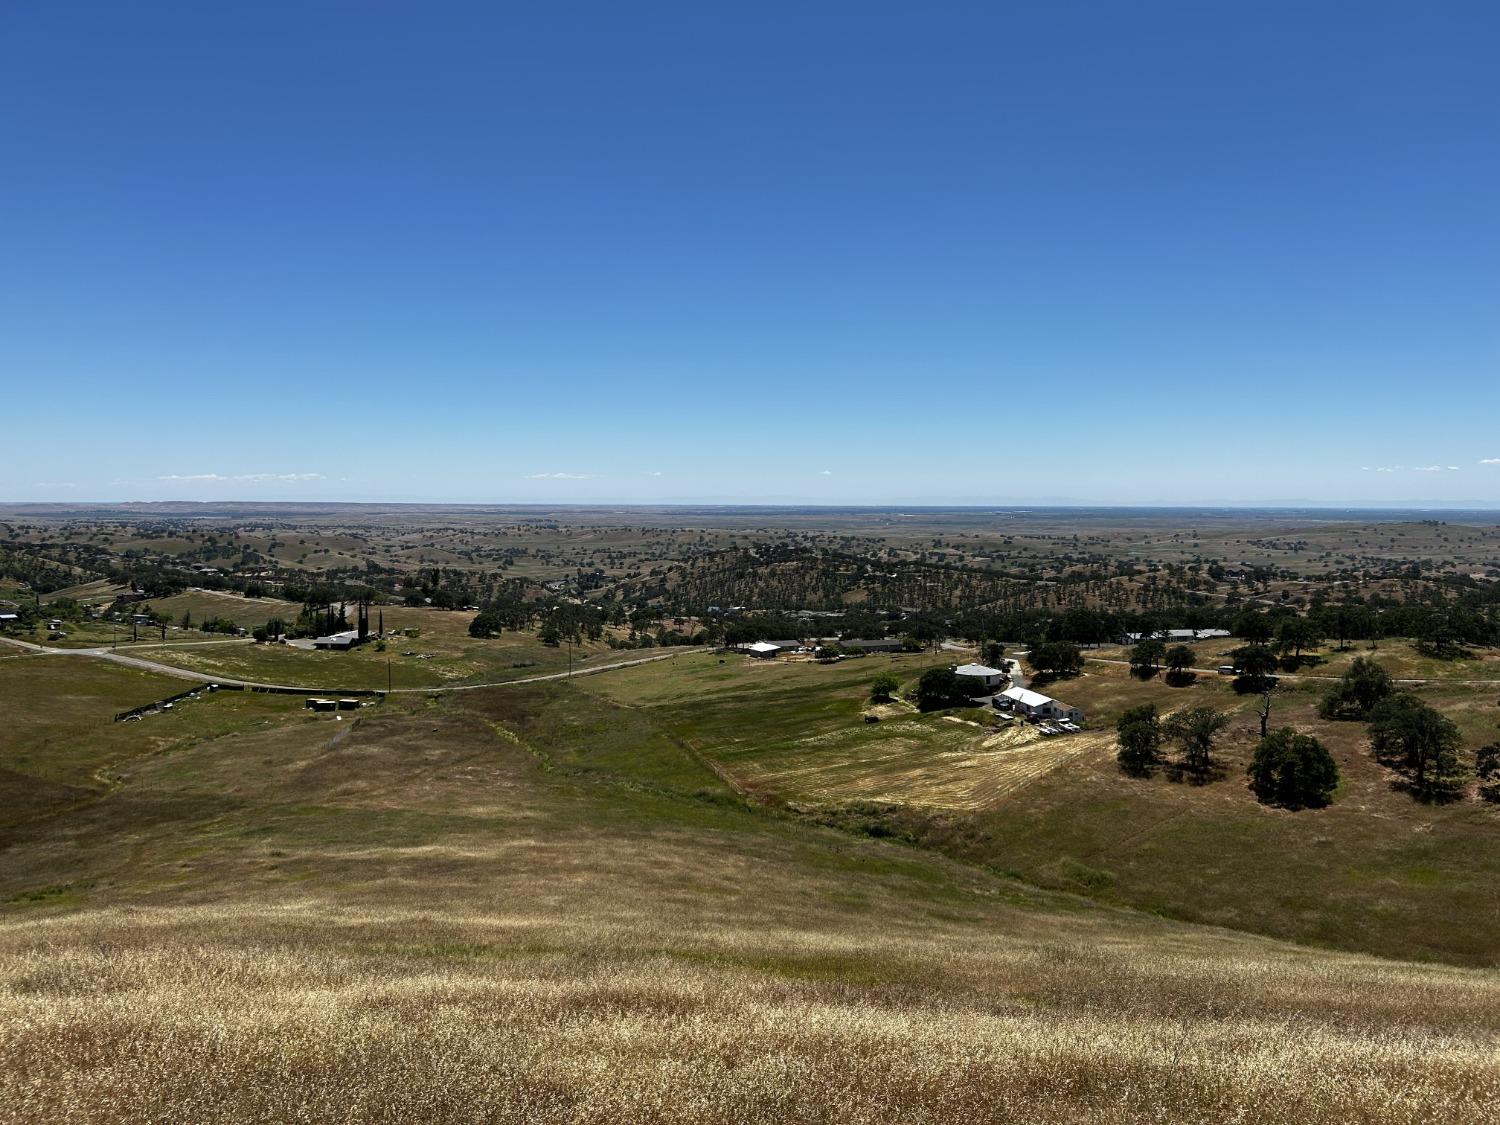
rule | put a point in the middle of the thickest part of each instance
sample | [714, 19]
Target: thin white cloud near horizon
[559, 476]
[221, 477]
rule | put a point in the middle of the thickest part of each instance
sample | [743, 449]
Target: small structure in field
[1036, 706]
[314, 704]
[763, 649]
[981, 675]
[340, 642]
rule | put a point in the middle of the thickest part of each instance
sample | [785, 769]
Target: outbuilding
[339, 641]
[873, 644]
[982, 674]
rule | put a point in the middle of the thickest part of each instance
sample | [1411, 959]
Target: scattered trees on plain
[1421, 742]
[1293, 770]
[1056, 658]
[1140, 738]
[938, 688]
[1364, 685]
[1487, 770]
[1195, 730]
[1145, 656]
[1256, 664]
[1294, 635]
[1179, 662]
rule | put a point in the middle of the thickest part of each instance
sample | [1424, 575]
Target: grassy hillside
[1371, 873]
[544, 903]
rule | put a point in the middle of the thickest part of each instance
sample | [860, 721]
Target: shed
[991, 678]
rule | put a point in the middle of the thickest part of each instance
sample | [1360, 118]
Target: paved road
[115, 657]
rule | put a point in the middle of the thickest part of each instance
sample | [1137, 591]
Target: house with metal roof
[1035, 705]
[983, 675]
[873, 644]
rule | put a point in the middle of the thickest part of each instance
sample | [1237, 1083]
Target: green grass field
[1369, 873]
[440, 654]
[1399, 657]
[547, 902]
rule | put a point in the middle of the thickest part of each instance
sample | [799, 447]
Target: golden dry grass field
[542, 903]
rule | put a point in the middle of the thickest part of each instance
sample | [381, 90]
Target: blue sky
[1116, 253]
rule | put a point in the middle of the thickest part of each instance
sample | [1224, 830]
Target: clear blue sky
[1120, 253]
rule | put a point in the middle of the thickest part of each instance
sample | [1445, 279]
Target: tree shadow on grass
[1184, 774]
[1182, 678]
[1428, 794]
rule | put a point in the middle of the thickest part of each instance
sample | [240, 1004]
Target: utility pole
[388, 675]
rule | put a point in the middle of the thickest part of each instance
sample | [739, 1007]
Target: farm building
[763, 649]
[990, 678]
[339, 641]
[873, 644]
[1035, 705]
[1173, 636]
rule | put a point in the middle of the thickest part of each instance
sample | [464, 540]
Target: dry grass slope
[538, 905]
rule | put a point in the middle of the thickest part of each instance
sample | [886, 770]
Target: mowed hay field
[540, 904]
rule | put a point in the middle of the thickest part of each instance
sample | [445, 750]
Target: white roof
[763, 646]
[977, 670]
[1026, 696]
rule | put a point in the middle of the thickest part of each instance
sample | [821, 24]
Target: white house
[990, 678]
[338, 641]
[763, 649]
[1035, 705]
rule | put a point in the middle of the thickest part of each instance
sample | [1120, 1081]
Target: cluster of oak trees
[1289, 769]
[1295, 770]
